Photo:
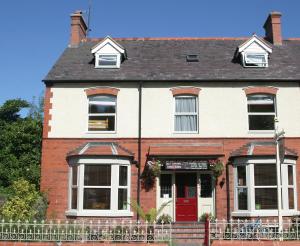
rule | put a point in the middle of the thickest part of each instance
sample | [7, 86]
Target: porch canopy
[186, 150]
[191, 156]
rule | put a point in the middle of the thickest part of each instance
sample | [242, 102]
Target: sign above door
[186, 165]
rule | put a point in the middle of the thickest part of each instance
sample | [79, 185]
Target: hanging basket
[217, 167]
[154, 168]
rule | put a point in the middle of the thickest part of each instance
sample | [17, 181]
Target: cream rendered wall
[70, 112]
[222, 110]
[288, 109]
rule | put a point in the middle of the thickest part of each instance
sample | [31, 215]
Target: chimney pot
[272, 27]
[78, 28]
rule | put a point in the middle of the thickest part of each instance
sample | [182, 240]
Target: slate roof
[165, 60]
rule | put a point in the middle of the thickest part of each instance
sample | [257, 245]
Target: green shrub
[150, 215]
[165, 218]
[206, 215]
[24, 202]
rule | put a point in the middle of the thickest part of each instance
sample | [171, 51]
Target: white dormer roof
[254, 52]
[108, 45]
[255, 44]
[108, 54]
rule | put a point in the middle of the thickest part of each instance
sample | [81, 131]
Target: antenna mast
[89, 18]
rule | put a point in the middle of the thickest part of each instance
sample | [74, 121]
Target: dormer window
[107, 61]
[254, 53]
[255, 60]
[108, 54]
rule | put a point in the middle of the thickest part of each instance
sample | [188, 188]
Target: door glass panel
[165, 185]
[186, 185]
[180, 191]
[206, 185]
[191, 191]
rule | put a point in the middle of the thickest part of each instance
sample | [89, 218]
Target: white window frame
[261, 113]
[101, 114]
[237, 186]
[118, 60]
[252, 211]
[113, 211]
[187, 113]
[259, 64]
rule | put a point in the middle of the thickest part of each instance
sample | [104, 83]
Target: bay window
[99, 188]
[186, 114]
[255, 187]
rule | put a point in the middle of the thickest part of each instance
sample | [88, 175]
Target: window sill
[264, 213]
[186, 132]
[260, 131]
[102, 132]
[105, 213]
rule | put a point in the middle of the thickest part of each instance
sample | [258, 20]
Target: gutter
[257, 80]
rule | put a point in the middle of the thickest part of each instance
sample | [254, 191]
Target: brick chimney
[78, 28]
[272, 27]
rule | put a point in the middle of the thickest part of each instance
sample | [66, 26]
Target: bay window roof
[92, 149]
[260, 148]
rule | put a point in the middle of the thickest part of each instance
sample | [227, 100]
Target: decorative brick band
[261, 90]
[102, 90]
[47, 108]
[185, 90]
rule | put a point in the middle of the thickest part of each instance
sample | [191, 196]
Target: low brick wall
[254, 243]
[77, 243]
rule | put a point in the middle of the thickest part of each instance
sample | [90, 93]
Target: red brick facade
[47, 108]
[261, 89]
[55, 169]
[185, 90]
[102, 90]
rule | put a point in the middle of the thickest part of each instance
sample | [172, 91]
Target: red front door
[186, 197]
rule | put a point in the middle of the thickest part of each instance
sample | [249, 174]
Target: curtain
[185, 114]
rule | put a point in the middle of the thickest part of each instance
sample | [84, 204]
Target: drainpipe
[228, 191]
[139, 147]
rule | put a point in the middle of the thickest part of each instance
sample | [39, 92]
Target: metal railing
[254, 229]
[100, 231]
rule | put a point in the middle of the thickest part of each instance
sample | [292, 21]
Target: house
[150, 120]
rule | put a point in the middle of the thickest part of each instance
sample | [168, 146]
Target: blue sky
[35, 32]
